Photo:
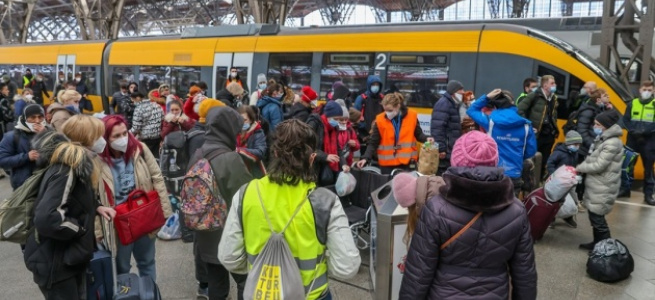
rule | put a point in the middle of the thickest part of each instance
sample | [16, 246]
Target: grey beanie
[453, 86]
[573, 137]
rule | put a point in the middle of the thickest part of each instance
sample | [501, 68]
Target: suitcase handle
[109, 239]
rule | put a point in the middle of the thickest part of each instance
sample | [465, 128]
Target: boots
[624, 194]
[649, 200]
[590, 246]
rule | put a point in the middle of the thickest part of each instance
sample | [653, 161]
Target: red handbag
[140, 215]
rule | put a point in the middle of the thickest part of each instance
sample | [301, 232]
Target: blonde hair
[83, 129]
[546, 78]
[74, 155]
[68, 96]
[394, 99]
[235, 89]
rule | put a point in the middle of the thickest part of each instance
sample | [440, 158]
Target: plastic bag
[610, 261]
[346, 183]
[171, 230]
[560, 183]
[569, 208]
[428, 159]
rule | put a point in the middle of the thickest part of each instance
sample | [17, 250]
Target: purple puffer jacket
[480, 263]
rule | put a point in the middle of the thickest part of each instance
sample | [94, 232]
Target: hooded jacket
[561, 156]
[445, 125]
[371, 104]
[39, 88]
[223, 125]
[154, 96]
[226, 97]
[271, 111]
[535, 107]
[20, 103]
[513, 134]
[480, 263]
[60, 115]
[300, 112]
[251, 144]
[603, 170]
[183, 123]
[14, 156]
[64, 223]
[585, 126]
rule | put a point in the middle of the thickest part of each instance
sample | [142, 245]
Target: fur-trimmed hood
[484, 189]
[56, 148]
[155, 97]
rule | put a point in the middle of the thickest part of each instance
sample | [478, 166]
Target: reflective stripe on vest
[643, 113]
[392, 154]
[305, 236]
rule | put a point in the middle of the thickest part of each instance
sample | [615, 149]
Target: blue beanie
[332, 109]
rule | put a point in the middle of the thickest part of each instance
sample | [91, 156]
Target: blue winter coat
[371, 105]
[513, 134]
[271, 110]
[446, 124]
[14, 156]
[561, 156]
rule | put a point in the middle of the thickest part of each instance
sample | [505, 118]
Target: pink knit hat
[403, 186]
[474, 149]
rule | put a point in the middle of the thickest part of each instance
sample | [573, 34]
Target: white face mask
[28, 97]
[196, 108]
[342, 127]
[99, 145]
[233, 74]
[120, 144]
[458, 97]
[391, 114]
[314, 103]
[646, 95]
[77, 79]
[30, 126]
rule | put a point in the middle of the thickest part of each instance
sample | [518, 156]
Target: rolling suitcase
[99, 278]
[541, 212]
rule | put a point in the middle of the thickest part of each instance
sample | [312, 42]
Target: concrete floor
[560, 264]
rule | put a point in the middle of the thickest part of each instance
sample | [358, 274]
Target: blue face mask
[553, 88]
[598, 131]
[262, 86]
[534, 89]
[375, 89]
[245, 127]
[334, 123]
[74, 108]
[573, 148]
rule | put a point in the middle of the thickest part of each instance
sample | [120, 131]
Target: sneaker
[203, 293]
[581, 208]
[571, 222]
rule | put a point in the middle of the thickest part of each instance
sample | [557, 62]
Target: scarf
[330, 142]
[242, 138]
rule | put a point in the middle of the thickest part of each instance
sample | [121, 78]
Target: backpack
[16, 211]
[174, 158]
[203, 206]
[571, 122]
[275, 272]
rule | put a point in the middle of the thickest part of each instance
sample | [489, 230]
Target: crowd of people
[275, 144]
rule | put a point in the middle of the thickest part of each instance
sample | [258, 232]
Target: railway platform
[560, 264]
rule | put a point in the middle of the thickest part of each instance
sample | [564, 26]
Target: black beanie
[608, 118]
[33, 109]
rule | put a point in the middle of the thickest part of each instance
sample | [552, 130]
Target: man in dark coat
[303, 108]
[540, 108]
[493, 254]
[39, 88]
[446, 124]
[586, 115]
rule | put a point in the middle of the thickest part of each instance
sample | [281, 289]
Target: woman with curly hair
[290, 187]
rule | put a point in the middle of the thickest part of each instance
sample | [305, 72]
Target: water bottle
[173, 167]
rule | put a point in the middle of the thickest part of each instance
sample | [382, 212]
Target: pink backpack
[202, 204]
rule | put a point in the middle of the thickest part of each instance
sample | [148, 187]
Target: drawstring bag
[345, 185]
[275, 273]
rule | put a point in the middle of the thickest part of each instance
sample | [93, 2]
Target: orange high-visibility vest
[392, 154]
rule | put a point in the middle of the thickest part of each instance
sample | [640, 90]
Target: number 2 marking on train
[382, 58]
[168, 72]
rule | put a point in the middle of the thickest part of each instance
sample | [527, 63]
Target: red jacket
[342, 139]
[188, 109]
[184, 124]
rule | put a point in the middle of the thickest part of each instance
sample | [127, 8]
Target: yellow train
[416, 59]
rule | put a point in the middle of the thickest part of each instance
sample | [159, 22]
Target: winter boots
[598, 236]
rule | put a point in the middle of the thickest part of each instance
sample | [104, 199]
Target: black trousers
[599, 224]
[219, 282]
[545, 146]
[70, 289]
[646, 148]
[153, 146]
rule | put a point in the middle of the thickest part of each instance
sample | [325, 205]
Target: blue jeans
[144, 254]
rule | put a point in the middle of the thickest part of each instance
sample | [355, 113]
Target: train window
[120, 74]
[49, 78]
[179, 78]
[221, 77]
[560, 79]
[350, 68]
[418, 84]
[89, 78]
[294, 68]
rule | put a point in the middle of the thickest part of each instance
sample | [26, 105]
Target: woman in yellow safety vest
[319, 223]
[394, 136]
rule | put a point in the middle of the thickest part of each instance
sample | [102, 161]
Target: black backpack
[571, 122]
[175, 157]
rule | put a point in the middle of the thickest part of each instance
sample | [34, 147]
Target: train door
[66, 64]
[222, 65]
[243, 63]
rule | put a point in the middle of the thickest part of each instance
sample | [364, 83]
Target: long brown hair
[412, 218]
[293, 145]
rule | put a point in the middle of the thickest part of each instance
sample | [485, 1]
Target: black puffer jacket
[446, 125]
[299, 112]
[561, 156]
[478, 264]
[64, 223]
[585, 126]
